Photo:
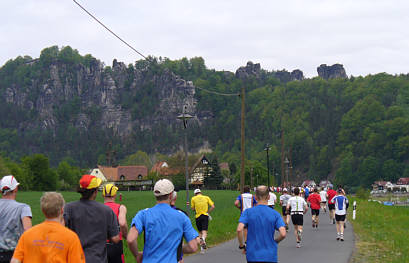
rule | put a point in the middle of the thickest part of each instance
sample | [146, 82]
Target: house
[403, 181]
[325, 184]
[130, 177]
[162, 168]
[382, 185]
[199, 171]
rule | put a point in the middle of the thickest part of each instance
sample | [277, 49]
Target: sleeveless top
[115, 208]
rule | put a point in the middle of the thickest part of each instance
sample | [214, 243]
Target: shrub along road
[318, 245]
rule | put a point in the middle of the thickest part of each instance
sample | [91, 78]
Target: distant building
[326, 184]
[309, 183]
[382, 185]
[403, 181]
[130, 177]
[163, 169]
[199, 171]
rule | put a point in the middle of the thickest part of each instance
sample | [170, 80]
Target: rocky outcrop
[331, 72]
[250, 69]
[284, 76]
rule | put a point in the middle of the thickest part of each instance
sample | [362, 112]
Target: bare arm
[14, 260]
[240, 228]
[282, 235]
[237, 204]
[123, 225]
[132, 240]
[115, 239]
[26, 223]
[211, 209]
[190, 247]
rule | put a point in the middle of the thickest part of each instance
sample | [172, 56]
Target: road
[318, 245]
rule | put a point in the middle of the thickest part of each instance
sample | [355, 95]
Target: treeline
[34, 173]
[353, 131]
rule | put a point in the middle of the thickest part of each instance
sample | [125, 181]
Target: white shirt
[273, 199]
[323, 195]
[246, 201]
[297, 204]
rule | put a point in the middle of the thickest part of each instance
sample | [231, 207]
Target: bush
[362, 193]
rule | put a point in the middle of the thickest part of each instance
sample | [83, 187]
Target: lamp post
[286, 161]
[267, 148]
[184, 117]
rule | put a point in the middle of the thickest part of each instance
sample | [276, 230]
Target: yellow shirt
[201, 204]
[49, 242]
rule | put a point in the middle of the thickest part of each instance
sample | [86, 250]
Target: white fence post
[354, 211]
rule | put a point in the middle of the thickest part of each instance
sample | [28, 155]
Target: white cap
[285, 189]
[197, 191]
[8, 184]
[163, 187]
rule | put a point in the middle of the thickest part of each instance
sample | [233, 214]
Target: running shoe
[298, 245]
[333, 221]
[341, 237]
[299, 235]
[345, 225]
[286, 228]
[338, 236]
[204, 245]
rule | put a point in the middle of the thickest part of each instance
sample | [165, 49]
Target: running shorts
[202, 222]
[323, 202]
[284, 211]
[331, 206]
[297, 219]
[6, 256]
[115, 252]
[340, 218]
[315, 212]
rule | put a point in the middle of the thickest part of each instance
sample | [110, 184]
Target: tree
[37, 168]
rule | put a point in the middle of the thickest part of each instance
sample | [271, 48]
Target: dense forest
[352, 130]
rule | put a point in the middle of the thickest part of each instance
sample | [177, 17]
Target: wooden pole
[282, 159]
[242, 141]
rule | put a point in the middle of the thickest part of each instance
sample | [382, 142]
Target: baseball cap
[197, 191]
[163, 187]
[88, 181]
[285, 190]
[109, 190]
[8, 184]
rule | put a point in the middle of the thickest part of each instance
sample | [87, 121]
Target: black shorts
[297, 219]
[331, 206]
[339, 218]
[315, 212]
[284, 211]
[114, 252]
[323, 202]
[202, 222]
[6, 256]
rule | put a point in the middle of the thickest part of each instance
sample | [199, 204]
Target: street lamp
[286, 161]
[267, 148]
[184, 117]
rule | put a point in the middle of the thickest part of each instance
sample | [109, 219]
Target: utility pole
[242, 141]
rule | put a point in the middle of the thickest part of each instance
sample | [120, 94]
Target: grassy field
[381, 232]
[221, 228]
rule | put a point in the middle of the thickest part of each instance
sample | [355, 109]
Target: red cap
[90, 181]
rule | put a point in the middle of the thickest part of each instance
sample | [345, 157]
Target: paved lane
[318, 245]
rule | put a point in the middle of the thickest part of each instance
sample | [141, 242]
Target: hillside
[67, 105]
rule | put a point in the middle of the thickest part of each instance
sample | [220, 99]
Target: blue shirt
[164, 227]
[261, 222]
[340, 204]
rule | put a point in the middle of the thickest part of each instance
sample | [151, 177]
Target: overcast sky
[366, 36]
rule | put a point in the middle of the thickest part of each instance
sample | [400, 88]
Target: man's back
[94, 223]
[49, 242]
[164, 227]
[331, 193]
[247, 200]
[284, 199]
[340, 204]
[323, 195]
[201, 204]
[314, 200]
[297, 204]
[262, 222]
[11, 227]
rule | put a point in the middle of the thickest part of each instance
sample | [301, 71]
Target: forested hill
[67, 105]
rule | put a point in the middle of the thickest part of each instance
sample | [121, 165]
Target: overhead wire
[139, 53]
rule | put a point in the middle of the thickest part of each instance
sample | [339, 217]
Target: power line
[112, 32]
[139, 53]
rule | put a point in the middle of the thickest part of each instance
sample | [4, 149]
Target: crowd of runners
[89, 231]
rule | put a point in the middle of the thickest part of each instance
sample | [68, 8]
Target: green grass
[221, 228]
[381, 232]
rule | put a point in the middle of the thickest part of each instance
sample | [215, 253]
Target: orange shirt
[49, 242]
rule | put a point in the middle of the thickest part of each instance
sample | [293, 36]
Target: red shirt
[331, 193]
[115, 208]
[315, 200]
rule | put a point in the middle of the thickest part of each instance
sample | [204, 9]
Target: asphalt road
[318, 245]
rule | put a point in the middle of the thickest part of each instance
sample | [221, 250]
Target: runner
[283, 202]
[272, 198]
[298, 208]
[306, 192]
[331, 205]
[15, 217]
[315, 199]
[49, 241]
[323, 195]
[262, 222]
[243, 202]
[163, 227]
[115, 252]
[341, 203]
[93, 222]
[180, 247]
[200, 204]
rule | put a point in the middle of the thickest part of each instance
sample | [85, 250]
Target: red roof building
[403, 181]
[124, 173]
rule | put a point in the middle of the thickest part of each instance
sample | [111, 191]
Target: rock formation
[331, 72]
